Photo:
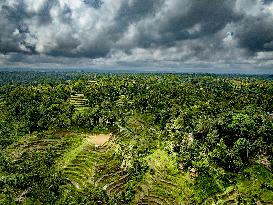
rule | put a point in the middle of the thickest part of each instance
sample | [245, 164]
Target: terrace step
[107, 176]
[114, 186]
[154, 199]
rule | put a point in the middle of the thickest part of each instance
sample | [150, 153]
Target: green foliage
[89, 196]
[32, 176]
[184, 139]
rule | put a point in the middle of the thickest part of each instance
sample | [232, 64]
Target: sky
[149, 35]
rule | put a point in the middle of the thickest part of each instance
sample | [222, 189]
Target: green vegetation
[174, 139]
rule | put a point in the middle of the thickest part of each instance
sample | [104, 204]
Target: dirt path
[100, 139]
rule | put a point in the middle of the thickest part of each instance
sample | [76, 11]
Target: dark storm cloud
[210, 15]
[267, 1]
[43, 14]
[106, 31]
[94, 3]
[8, 23]
[201, 18]
[14, 29]
[132, 11]
[256, 34]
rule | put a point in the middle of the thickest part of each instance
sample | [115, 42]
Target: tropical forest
[133, 138]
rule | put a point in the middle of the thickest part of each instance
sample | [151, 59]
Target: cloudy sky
[177, 35]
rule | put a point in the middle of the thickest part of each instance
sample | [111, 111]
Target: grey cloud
[256, 34]
[211, 15]
[14, 28]
[94, 3]
[267, 1]
[8, 41]
[133, 30]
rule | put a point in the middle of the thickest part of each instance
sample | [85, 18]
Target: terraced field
[79, 101]
[94, 164]
[1, 102]
[58, 142]
[89, 161]
[156, 189]
[85, 160]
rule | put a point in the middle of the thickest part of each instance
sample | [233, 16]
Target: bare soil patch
[100, 139]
